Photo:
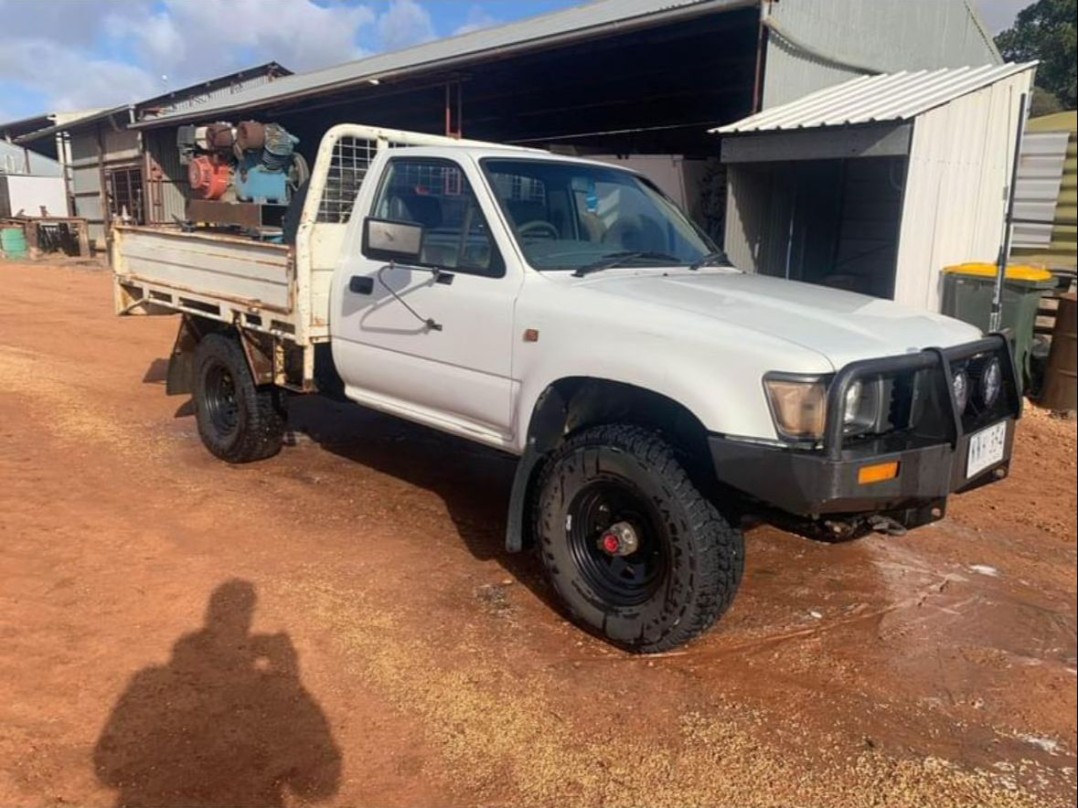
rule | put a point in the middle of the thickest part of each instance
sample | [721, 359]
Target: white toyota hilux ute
[568, 313]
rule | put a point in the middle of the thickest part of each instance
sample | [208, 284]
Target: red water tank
[209, 178]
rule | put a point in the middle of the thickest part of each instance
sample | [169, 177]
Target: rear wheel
[634, 550]
[237, 421]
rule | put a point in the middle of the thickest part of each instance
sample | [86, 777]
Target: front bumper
[932, 456]
[812, 485]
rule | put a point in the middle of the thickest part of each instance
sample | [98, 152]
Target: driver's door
[455, 370]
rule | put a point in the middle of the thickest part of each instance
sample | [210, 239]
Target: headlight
[799, 406]
[861, 407]
[960, 389]
[989, 382]
[853, 403]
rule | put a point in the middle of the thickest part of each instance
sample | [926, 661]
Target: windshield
[571, 216]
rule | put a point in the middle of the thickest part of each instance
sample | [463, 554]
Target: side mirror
[386, 240]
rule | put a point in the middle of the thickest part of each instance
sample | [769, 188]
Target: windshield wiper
[717, 257]
[614, 259]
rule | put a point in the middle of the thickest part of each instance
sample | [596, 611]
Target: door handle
[361, 284]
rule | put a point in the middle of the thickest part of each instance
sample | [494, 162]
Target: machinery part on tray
[209, 178]
[251, 162]
[220, 137]
[269, 176]
[278, 148]
[250, 136]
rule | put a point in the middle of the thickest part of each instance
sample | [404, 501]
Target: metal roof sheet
[578, 21]
[75, 123]
[69, 122]
[888, 97]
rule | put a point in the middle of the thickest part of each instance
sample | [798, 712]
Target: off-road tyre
[696, 556]
[237, 421]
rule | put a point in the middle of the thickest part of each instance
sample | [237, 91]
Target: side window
[436, 194]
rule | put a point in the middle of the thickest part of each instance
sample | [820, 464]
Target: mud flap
[546, 428]
[518, 499]
[181, 362]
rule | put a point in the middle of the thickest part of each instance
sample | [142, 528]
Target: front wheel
[237, 421]
[634, 550]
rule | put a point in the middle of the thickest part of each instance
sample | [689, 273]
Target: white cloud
[182, 38]
[56, 48]
[70, 80]
[73, 22]
[403, 24]
[76, 54]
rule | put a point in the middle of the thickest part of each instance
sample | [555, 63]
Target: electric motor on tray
[208, 176]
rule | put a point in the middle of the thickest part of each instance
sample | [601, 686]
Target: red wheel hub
[611, 543]
[620, 539]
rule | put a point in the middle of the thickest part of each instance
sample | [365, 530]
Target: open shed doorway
[833, 222]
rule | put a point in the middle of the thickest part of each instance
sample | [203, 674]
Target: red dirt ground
[340, 624]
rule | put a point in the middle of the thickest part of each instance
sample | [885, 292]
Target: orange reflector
[877, 474]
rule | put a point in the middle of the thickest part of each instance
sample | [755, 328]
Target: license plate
[986, 448]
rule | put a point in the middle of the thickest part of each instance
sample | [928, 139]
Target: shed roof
[578, 22]
[80, 120]
[74, 123]
[884, 98]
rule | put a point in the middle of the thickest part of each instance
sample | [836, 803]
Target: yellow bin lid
[1015, 272]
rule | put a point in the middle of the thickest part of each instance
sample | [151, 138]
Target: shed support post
[454, 124]
[996, 315]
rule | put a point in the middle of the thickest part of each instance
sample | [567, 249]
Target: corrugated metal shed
[577, 23]
[196, 96]
[121, 114]
[100, 145]
[959, 171]
[1061, 251]
[939, 188]
[211, 91]
[1040, 174]
[887, 98]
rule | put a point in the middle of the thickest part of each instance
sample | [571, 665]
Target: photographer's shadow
[225, 723]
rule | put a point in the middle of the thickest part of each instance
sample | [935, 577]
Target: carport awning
[869, 116]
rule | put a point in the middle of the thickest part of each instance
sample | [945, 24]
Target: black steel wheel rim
[627, 580]
[222, 406]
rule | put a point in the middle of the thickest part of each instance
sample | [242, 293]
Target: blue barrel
[12, 242]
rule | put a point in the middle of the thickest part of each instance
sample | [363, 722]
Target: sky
[66, 55]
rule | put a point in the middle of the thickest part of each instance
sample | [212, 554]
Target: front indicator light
[880, 472]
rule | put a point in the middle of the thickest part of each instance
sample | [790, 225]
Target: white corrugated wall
[1040, 175]
[959, 168]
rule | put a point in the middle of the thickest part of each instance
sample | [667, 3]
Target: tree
[1043, 103]
[1045, 30]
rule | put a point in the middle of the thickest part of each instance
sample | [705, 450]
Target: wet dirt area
[340, 625]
